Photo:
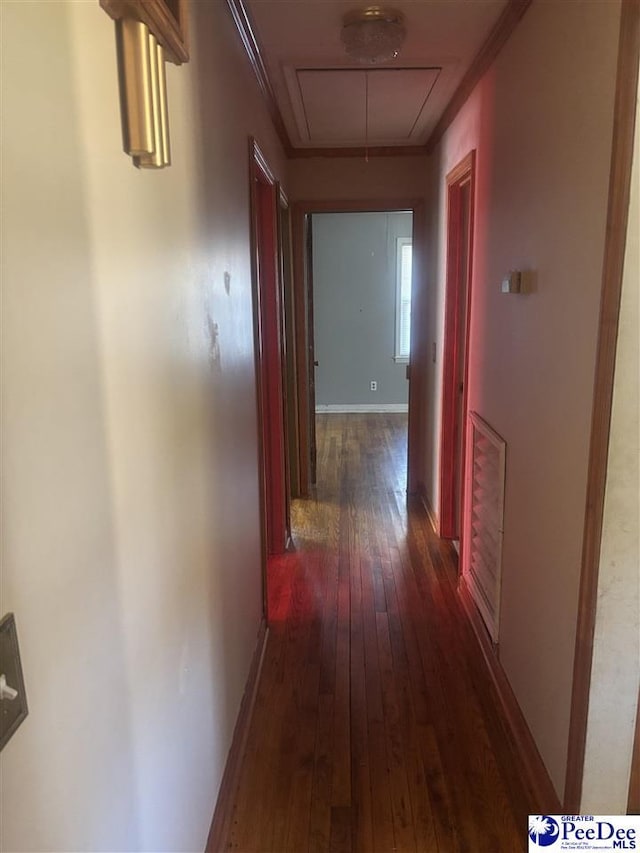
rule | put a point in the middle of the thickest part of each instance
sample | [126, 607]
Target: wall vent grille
[484, 515]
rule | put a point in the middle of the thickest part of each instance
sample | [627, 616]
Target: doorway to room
[360, 322]
[357, 278]
[269, 347]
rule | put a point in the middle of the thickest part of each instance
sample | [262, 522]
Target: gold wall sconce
[143, 95]
[148, 34]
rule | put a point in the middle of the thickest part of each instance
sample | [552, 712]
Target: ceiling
[327, 100]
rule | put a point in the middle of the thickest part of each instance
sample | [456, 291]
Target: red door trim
[453, 349]
[268, 340]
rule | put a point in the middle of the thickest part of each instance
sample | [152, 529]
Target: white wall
[541, 123]
[354, 178]
[354, 307]
[616, 656]
[130, 538]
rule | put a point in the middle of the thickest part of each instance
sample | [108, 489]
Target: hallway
[375, 727]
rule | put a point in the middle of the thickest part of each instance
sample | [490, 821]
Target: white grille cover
[483, 519]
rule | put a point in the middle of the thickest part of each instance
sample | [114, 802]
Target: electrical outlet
[374, 385]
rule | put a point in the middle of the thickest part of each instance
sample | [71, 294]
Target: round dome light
[373, 35]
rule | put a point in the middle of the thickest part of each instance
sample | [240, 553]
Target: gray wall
[354, 272]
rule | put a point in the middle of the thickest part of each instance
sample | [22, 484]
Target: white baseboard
[329, 408]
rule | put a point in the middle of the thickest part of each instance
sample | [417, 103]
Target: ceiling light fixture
[373, 35]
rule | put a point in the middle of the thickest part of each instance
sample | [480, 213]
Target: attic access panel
[354, 105]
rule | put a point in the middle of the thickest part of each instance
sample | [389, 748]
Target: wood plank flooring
[375, 728]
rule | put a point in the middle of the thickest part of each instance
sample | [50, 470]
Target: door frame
[415, 439]
[613, 266]
[455, 347]
[268, 357]
[312, 363]
[289, 354]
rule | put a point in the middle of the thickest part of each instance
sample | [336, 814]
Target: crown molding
[252, 48]
[502, 30]
[496, 40]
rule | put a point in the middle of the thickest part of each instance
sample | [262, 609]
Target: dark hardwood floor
[375, 727]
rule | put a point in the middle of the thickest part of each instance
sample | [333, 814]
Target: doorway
[269, 324]
[347, 340]
[460, 195]
[289, 342]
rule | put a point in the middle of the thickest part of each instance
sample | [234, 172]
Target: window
[403, 298]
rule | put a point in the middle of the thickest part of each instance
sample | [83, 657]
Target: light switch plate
[512, 283]
[12, 711]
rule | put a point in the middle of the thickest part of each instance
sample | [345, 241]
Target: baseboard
[433, 518]
[544, 799]
[341, 408]
[223, 814]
